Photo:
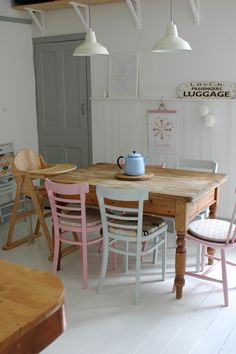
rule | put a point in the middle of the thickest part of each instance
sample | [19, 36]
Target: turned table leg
[212, 215]
[180, 261]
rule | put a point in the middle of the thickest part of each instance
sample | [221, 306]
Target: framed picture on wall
[123, 75]
[162, 131]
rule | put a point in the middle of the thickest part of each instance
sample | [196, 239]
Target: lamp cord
[171, 11]
[89, 14]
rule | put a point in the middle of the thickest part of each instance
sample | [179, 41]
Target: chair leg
[29, 223]
[104, 265]
[100, 247]
[113, 259]
[38, 205]
[59, 257]
[198, 257]
[85, 261]
[138, 271]
[79, 238]
[126, 257]
[143, 248]
[203, 256]
[13, 218]
[164, 259]
[56, 251]
[155, 253]
[224, 278]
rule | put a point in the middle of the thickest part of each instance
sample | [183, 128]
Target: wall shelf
[60, 4]
[36, 10]
[161, 98]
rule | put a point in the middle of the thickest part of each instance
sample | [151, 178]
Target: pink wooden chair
[197, 165]
[70, 215]
[217, 234]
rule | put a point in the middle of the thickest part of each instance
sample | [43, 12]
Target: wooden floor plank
[110, 323]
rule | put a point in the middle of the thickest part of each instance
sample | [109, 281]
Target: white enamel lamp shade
[90, 46]
[171, 42]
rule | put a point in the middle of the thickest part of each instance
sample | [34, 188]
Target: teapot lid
[134, 154]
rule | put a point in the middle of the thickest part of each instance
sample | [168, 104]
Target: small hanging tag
[161, 109]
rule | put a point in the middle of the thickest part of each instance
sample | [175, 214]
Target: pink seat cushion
[213, 230]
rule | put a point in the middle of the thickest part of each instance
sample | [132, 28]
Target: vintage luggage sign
[207, 89]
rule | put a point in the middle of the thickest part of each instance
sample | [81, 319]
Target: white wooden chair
[198, 165]
[125, 225]
[153, 168]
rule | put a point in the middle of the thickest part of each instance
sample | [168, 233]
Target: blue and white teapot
[134, 164]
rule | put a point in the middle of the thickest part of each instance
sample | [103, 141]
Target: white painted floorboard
[109, 323]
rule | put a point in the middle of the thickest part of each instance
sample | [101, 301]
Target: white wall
[213, 58]
[17, 84]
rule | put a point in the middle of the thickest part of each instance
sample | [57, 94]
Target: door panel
[63, 84]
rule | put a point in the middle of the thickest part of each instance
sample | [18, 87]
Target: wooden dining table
[31, 307]
[181, 194]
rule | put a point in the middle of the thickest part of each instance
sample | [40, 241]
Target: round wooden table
[31, 307]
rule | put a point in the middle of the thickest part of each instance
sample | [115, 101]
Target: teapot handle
[118, 161]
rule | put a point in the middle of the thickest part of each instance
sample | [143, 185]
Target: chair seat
[212, 230]
[215, 234]
[150, 225]
[93, 218]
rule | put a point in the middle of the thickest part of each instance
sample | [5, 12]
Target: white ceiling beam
[134, 7]
[195, 8]
[84, 18]
[37, 17]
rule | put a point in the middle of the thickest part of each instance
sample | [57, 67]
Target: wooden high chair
[28, 167]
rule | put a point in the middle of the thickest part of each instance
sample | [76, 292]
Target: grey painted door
[63, 90]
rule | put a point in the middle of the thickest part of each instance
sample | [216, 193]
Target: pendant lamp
[171, 42]
[90, 46]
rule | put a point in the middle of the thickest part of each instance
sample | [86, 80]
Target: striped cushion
[213, 230]
[92, 218]
[150, 225]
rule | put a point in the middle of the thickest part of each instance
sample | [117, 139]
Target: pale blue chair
[125, 225]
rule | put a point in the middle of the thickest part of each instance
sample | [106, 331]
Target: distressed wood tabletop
[31, 307]
[189, 185]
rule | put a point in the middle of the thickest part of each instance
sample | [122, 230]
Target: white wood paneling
[120, 126]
